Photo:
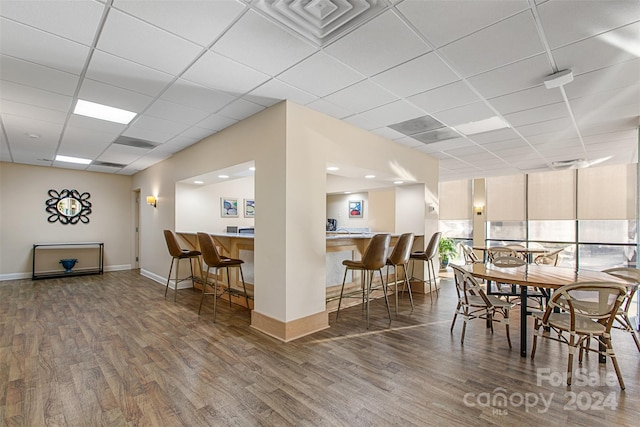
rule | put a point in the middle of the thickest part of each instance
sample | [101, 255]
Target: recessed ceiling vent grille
[133, 142]
[425, 129]
[321, 20]
[108, 164]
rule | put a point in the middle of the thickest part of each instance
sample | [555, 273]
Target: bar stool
[374, 258]
[177, 253]
[427, 256]
[213, 260]
[400, 258]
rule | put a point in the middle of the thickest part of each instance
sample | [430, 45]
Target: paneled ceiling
[191, 68]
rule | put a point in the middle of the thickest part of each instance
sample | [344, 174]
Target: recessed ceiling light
[398, 182]
[486, 125]
[333, 168]
[198, 182]
[33, 135]
[347, 192]
[103, 112]
[369, 176]
[223, 176]
[68, 159]
[252, 168]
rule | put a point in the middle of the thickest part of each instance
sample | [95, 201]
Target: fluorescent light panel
[103, 112]
[486, 125]
[68, 159]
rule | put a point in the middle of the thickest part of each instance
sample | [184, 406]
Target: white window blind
[506, 198]
[607, 192]
[455, 200]
[552, 195]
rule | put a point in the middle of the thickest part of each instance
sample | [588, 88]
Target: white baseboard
[18, 276]
[163, 280]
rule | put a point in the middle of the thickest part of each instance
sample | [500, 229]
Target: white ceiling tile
[361, 122]
[153, 129]
[275, 91]
[409, 142]
[508, 41]
[87, 145]
[465, 114]
[332, 75]
[32, 112]
[194, 133]
[216, 122]
[394, 112]
[415, 76]
[113, 96]
[75, 20]
[587, 18]
[449, 144]
[196, 96]
[389, 133]
[19, 140]
[125, 74]
[198, 21]
[217, 72]
[33, 45]
[328, 108]
[258, 43]
[509, 144]
[362, 96]
[240, 109]
[178, 143]
[118, 153]
[29, 74]
[600, 51]
[442, 22]
[96, 125]
[175, 112]
[526, 99]
[605, 103]
[495, 136]
[610, 136]
[539, 114]
[150, 47]
[444, 98]
[615, 76]
[562, 125]
[33, 96]
[378, 45]
[521, 75]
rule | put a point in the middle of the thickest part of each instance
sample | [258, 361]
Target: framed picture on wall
[228, 207]
[355, 208]
[249, 208]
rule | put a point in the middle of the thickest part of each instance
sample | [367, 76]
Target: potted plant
[446, 249]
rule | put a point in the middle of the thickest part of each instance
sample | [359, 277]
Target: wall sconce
[151, 200]
[478, 210]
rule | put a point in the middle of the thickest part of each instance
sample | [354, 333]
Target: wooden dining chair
[584, 310]
[473, 303]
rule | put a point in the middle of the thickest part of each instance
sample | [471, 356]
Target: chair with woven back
[583, 310]
[470, 257]
[473, 303]
[622, 316]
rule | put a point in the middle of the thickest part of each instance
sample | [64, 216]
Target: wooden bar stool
[177, 253]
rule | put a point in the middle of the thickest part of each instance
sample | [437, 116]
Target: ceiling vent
[133, 142]
[108, 164]
[321, 20]
[417, 125]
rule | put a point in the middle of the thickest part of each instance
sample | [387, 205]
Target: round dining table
[537, 276]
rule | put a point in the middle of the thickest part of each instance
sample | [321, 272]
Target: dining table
[537, 276]
[526, 253]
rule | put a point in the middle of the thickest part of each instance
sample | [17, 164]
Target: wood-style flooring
[110, 350]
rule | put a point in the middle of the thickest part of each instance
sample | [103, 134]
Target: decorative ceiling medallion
[320, 20]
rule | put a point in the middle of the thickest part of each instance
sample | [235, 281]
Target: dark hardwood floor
[110, 350]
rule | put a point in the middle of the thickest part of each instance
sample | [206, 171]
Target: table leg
[523, 321]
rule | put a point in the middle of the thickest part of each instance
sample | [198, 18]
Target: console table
[51, 253]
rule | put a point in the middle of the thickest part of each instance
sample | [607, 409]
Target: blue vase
[68, 264]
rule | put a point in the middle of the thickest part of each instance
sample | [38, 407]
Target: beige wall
[338, 208]
[23, 220]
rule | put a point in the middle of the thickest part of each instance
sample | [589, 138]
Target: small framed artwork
[228, 207]
[249, 208]
[355, 208]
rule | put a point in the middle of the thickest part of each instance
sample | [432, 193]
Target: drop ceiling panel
[361, 122]
[587, 19]
[217, 72]
[75, 20]
[240, 109]
[48, 133]
[515, 77]
[113, 96]
[33, 96]
[540, 114]
[198, 21]
[116, 71]
[508, 41]
[329, 108]
[150, 47]
[370, 50]
[175, 112]
[465, 114]
[33, 45]
[526, 99]
[392, 113]
[333, 75]
[196, 96]
[615, 76]
[606, 49]
[154, 129]
[275, 91]
[446, 145]
[418, 75]
[443, 22]
[361, 96]
[257, 42]
[495, 136]
[445, 97]
[508, 144]
[563, 125]
[28, 74]
[95, 124]
[216, 122]
[32, 112]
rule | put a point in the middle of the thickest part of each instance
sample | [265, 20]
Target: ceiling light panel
[103, 112]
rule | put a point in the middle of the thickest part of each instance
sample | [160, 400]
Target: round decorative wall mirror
[68, 207]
